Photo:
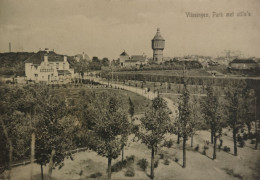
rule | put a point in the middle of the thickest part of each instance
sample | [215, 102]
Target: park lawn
[226, 166]
[141, 104]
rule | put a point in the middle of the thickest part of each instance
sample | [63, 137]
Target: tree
[51, 142]
[184, 126]
[131, 108]
[105, 61]
[211, 110]
[108, 126]
[154, 125]
[195, 121]
[234, 108]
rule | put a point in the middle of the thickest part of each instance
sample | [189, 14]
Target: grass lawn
[141, 103]
[199, 166]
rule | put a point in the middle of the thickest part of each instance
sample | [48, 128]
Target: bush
[143, 164]
[251, 135]
[226, 149]
[245, 136]
[119, 166]
[156, 163]
[168, 144]
[241, 143]
[176, 160]
[252, 141]
[95, 175]
[166, 162]
[161, 156]
[197, 148]
[130, 172]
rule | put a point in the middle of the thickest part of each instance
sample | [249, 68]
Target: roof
[244, 61]
[124, 54]
[158, 35]
[138, 58]
[37, 58]
[63, 72]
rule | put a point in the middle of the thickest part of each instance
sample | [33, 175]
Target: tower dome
[158, 44]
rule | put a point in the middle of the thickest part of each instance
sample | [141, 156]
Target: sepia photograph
[129, 89]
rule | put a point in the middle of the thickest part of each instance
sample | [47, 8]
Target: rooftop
[37, 58]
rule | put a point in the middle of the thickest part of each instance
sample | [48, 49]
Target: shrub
[166, 162]
[197, 148]
[226, 149]
[95, 175]
[130, 172]
[241, 143]
[119, 166]
[252, 141]
[156, 163]
[251, 135]
[245, 136]
[143, 164]
[176, 160]
[161, 156]
[168, 144]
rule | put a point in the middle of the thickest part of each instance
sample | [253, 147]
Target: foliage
[96, 175]
[130, 172]
[166, 162]
[155, 123]
[143, 163]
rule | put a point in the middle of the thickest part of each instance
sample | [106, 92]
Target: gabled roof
[243, 61]
[138, 58]
[37, 58]
[124, 54]
[158, 35]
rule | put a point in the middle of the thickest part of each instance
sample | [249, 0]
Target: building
[158, 44]
[82, 56]
[244, 64]
[123, 57]
[47, 66]
[134, 61]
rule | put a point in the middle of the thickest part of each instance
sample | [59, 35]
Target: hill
[13, 63]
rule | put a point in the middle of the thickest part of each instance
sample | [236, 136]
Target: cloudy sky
[105, 28]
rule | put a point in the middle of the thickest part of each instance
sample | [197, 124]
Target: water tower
[158, 44]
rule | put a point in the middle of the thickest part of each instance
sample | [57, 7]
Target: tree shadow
[45, 176]
[205, 155]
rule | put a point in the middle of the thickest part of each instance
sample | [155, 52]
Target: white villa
[47, 66]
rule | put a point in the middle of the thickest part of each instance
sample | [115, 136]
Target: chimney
[65, 58]
[10, 47]
[47, 50]
[45, 59]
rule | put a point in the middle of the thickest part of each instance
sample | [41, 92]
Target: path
[150, 95]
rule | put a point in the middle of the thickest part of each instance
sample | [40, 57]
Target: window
[36, 75]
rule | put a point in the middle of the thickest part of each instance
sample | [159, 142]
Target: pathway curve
[150, 95]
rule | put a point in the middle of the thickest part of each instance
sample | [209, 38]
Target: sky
[105, 28]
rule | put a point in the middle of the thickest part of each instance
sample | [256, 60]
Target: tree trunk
[178, 140]
[109, 168]
[212, 137]
[235, 141]
[256, 135]
[41, 171]
[123, 153]
[184, 152]
[51, 164]
[215, 147]
[32, 153]
[152, 163]
[191, 141]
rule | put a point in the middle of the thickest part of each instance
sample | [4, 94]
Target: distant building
[82, 56]
[244, 64]
[134, 61]
[47, 66]
[158, 44]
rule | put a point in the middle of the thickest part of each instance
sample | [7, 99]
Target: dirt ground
[227, 166]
